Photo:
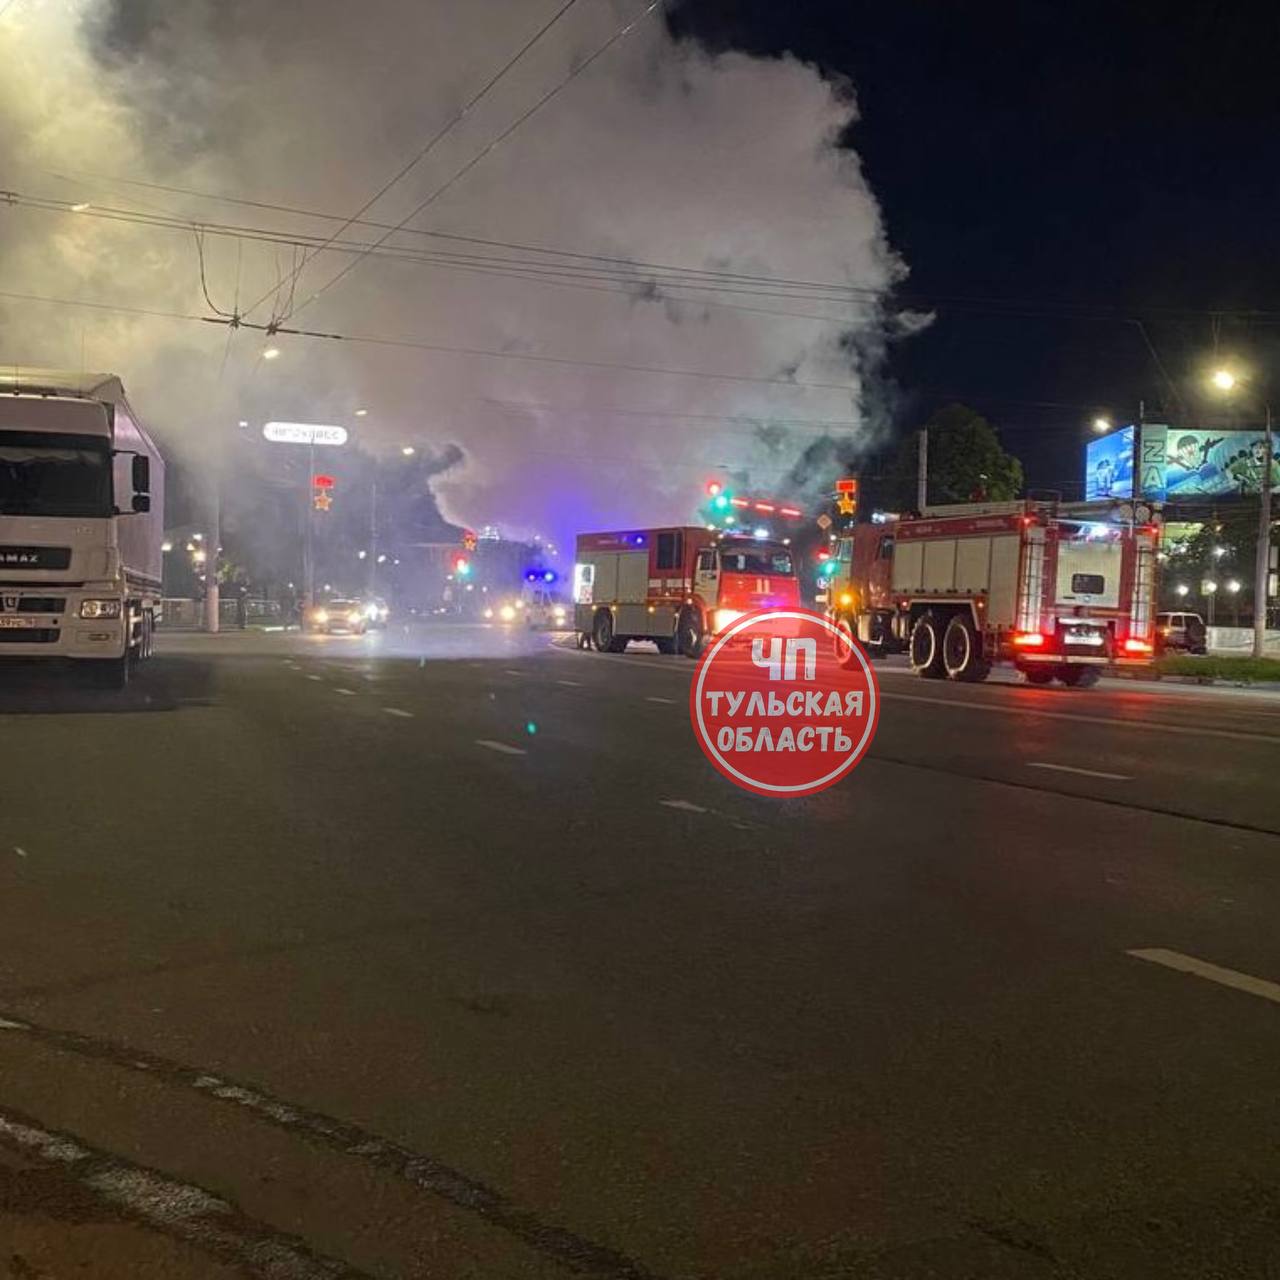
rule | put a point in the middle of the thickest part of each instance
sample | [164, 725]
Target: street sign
[304, 433]
[322, 482]
[823, 521]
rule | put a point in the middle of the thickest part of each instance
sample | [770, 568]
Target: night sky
[1052, 173]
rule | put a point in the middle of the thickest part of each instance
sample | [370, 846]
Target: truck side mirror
[141, 502]
[141, 476]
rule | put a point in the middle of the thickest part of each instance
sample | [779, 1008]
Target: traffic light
[462, 566]
[713, 488]
[721, 501]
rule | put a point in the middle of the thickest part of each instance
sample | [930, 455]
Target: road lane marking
[1213, 972]
[1118, 722]
[511, 671]
[416, 1168]
[1087, 773]
[19, 850]
[314, 677]
[500, 746]
[181, 1210]
[571, 684]
[670, 702]
[685, 805]
[350, 693]
[395, 711]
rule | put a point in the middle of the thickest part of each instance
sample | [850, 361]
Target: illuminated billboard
[1192, 463]
[1108, 466]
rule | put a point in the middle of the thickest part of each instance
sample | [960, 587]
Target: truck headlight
[99, 608]
[724, 617]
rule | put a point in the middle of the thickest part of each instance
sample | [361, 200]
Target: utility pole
[1262, 562]
[308, 550]
[922, 469]
[373, 534]
[212, 538]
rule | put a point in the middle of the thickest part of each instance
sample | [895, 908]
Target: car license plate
[15, 623]
[1085, 637]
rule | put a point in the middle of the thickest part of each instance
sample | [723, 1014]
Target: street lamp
[362, 413]
[1210, 588]
[1101, 425]
[270, 353]
[1182, 588]
[1233, 585]
[1226, 381]
[408, 451]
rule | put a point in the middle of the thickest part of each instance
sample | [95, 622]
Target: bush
[1243, 670]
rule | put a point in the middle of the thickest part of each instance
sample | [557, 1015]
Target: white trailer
[81, 522]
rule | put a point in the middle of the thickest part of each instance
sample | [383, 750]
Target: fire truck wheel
[926, 648]
[691, 634]
[1079, 677]
[602, 631]
[1038, 675]
[843, 644]
[962, 651]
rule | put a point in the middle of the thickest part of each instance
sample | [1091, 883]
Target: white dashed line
[350, 693]
[570, 684]
[670, 702]
[313, 677]
[1087, 773]
[1215, 973]
[500, 746]
[20, 851]
[511, 671]
[395, 711]
[685, 806]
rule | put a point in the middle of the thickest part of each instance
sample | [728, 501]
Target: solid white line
[1118, 722]
[671, 702]
[395, 711]
[350, 693]
[500, 746]
[1088, 773]
[685, 805]
[1214, 972]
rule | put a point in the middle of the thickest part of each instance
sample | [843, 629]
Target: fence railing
[178, 614]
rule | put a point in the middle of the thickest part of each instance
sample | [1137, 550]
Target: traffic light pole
[308, 550]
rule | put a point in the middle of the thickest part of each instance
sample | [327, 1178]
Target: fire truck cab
[675, 586]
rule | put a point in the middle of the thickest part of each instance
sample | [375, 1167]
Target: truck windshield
[54, 475]
[757, 560]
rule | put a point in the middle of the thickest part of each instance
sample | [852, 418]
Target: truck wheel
[691, 635]
[602, 632]
[1079, 677]
[1038, 675]
[926, 648]
[843, 644]
[962, 655]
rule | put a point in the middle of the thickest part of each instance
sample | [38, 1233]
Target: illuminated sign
[303, 433]
[1108, 466]
[1181, 463]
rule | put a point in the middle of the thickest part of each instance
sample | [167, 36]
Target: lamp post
[1210, 589]
[1226, 381]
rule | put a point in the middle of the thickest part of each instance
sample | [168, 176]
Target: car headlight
[726, 617]
[372, 611]
[100, 608]
[488, 613]
[354, 615]
[321, 616]
[559, 615]
[507, 613]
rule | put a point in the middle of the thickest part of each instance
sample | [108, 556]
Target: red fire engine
[1060, 589]
[675, 586]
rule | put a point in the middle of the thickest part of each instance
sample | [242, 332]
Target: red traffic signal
[322, 482]
[713, 488]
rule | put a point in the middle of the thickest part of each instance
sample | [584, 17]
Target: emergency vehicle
[675, 586]
[1061, 590]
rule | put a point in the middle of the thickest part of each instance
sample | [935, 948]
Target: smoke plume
[656, 155]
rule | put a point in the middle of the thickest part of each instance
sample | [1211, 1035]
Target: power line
[431, 144]
[442, 348]
[506, 133]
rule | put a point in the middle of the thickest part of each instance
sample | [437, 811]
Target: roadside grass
[1213, 667]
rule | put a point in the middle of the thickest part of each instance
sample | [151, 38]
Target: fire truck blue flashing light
[540, 575]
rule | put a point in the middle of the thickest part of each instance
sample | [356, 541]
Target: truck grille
[30, 635]
[41, 604]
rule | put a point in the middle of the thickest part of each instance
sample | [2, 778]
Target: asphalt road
[445, 953]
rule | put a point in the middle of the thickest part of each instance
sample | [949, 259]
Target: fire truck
[675, 586]
[1061, 590]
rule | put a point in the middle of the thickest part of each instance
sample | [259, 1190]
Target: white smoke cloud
[656, 153]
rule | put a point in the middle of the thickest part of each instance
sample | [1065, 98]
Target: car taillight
[1029, 639]
[1134, 645]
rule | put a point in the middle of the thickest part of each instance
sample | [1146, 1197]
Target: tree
[966, 461]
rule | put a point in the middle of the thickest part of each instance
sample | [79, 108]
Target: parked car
[1181, 633]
